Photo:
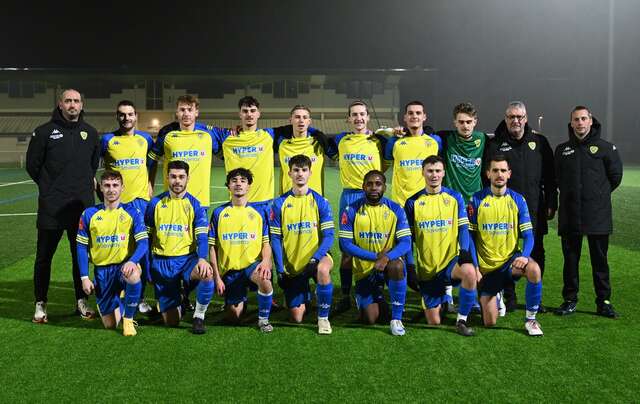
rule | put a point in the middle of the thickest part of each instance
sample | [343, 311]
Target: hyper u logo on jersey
[110, 241]
[302, 227]
[357, 158]
[247, 151]
[466, 162]
[497, 228]
[373, 236]
[238, 237]
[129, 163]
[188, 155]
[435, 226]
[411, 164]
[173, 229]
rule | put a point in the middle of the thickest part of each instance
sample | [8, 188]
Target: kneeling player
[440, 232]
[240, 252]
[301, 226]
[375, 232]
[107, 234]
[178, 226]
[497, 215]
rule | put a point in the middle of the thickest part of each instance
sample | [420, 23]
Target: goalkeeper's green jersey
[464, 162]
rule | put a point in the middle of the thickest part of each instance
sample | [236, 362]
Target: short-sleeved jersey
[436, 221]
[127, 154]
[110, 234]
[357, 155]
[174, 224]
[372, 228]
[300, 220]
[463, 162]
[196, 148]
[309, 147]
[237, 233]
[497, 221]
[253, 151]
[407, 154]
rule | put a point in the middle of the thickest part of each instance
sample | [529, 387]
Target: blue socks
[533, 296]
[467, 299]
[324, 295]
[204, 292]
[397, 294]
[131, 299]
[264, 305]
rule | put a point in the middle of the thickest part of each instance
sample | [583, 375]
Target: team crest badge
[532, 145]
[477, 142]
[593, 149]
[122, 218]
[251, 216]
[140, 142]
[84, 135]
[446, 202]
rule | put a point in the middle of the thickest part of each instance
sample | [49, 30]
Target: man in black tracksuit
[62, 160]
[532, 174]
[589, 169]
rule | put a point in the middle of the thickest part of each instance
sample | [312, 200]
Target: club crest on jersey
[593, 149]
[140, 142]
[122, 218]
[446, 202]
[84, 135]
[532, 145]
[477, 142]
[251, 216]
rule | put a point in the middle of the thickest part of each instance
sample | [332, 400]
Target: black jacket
[62, 160]
[532, 171]
[588, 172]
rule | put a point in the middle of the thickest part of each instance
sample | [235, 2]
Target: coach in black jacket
[532, 174]
[589, 169]
[62, 160]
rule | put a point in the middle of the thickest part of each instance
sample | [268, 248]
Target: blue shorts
[433, 290]
[297, 291]
[109, 282]
[166, 274]
[369, 289]
[236, 284]
[348, 197]
[494, 281]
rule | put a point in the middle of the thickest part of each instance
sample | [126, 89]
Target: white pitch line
[17, 214]
[16, 183]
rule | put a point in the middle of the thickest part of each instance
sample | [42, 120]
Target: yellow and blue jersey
[110, 236]
[193, 147]
[253, 151]
[237, 234]
[366, 230]
[301, 228]
[440, 229]
[127, 154]
[309, 147]
[407, 154]
[357, 154]
[497, 222]
[178, 226]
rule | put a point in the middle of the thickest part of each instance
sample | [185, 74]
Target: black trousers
[47, 244]
[538, 256]
[571, 249]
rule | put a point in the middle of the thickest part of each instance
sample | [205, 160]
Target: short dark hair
[580, 108]
[465, 108]
[178, 165]
[300, 106]
[111, 175]
[299, 160]
[357, 102]
[371, 174]
[126, 103]
[406, 107]
[432, 160]
[189, 100]
[248, 101]
[497, 158]
[239, 172]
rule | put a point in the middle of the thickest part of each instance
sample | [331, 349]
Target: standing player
[305, 141]
[240, 252]
[301, 226]
[439, 222]
[358, 152]
[375, 232]
[190, 144]
[107, 234]
[125, 151]
[178, 227]
[497, 216]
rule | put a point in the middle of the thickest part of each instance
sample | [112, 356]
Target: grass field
[581, 358]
